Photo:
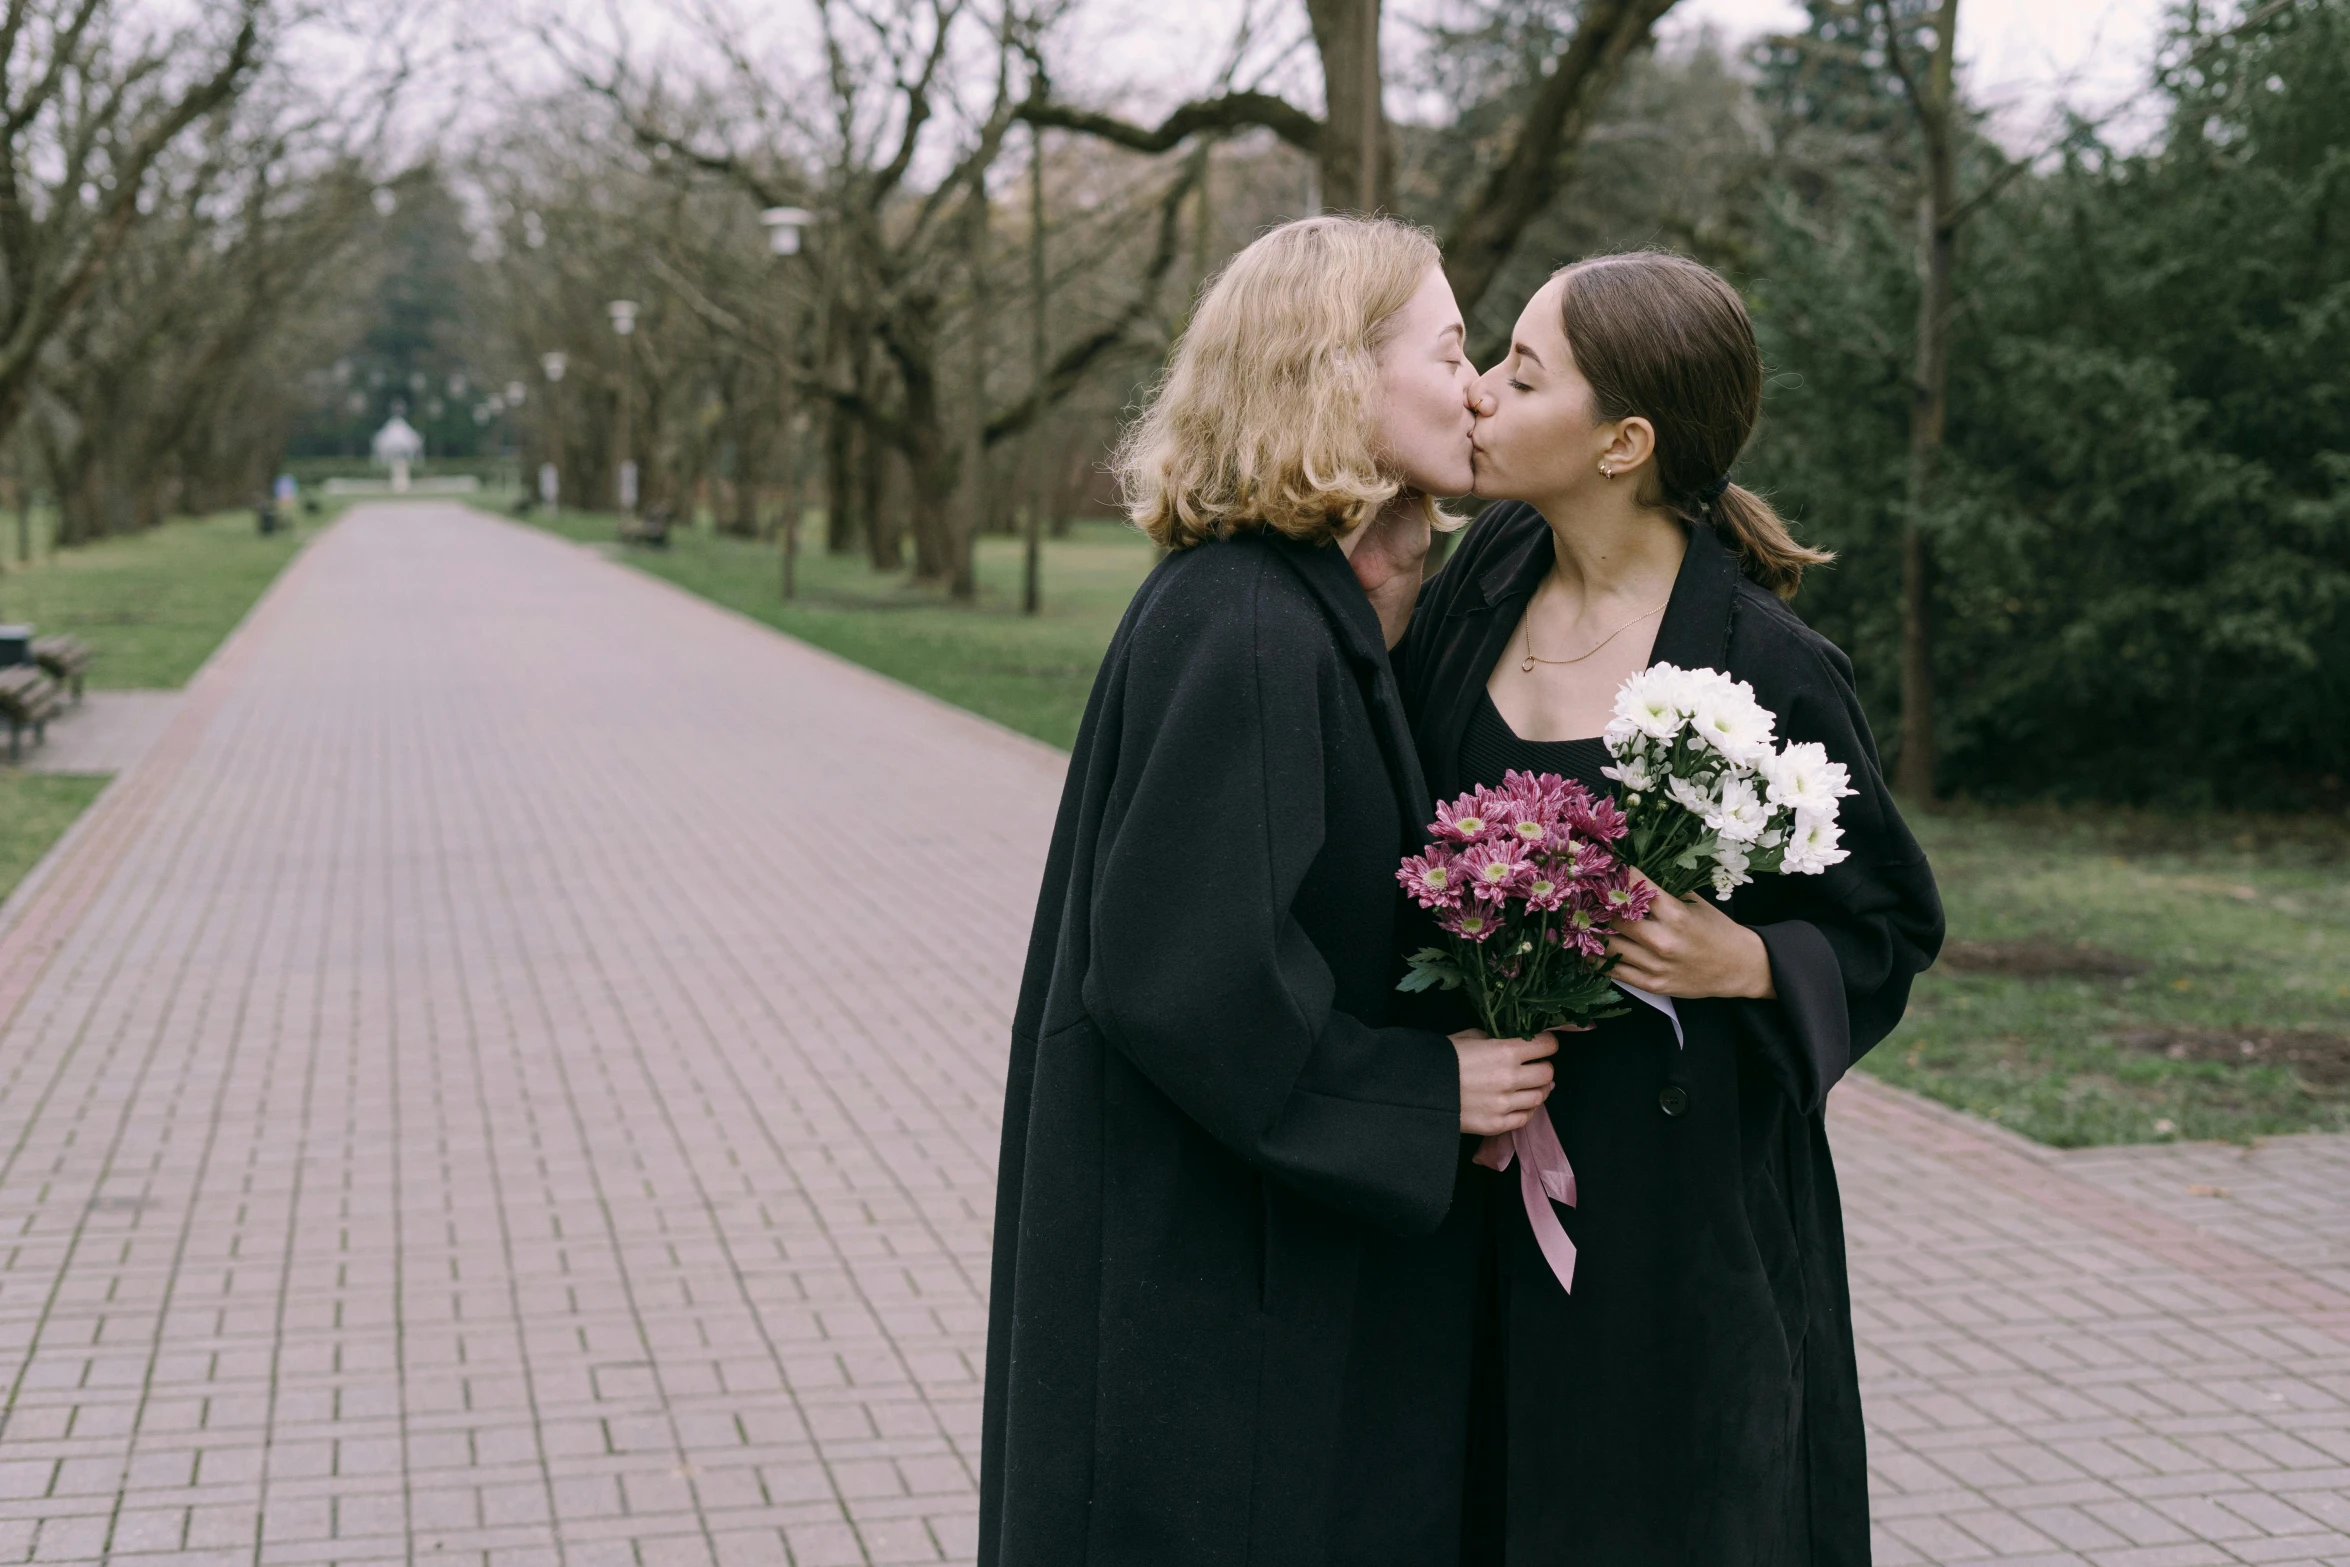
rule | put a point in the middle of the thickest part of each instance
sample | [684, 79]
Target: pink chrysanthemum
[1598, 819]
[1546, 890]
[1433, 879]
[1626, 900]
[1463, 821]
[1579, 928]
[1585, 860]
[1472, 921]
[1496, 868]
[1532, 796]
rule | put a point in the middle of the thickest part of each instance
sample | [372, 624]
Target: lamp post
[785, 225]
[623, 312]
[504, 404]
[550, 475]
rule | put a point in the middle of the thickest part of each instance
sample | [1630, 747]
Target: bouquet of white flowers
[1710, 796]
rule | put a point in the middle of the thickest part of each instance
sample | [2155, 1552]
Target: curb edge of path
[37, 918]
[2001, 1159]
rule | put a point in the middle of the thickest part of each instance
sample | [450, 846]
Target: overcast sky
[2018, 56]
[2021, 55]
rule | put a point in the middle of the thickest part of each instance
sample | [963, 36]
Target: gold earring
[1606, 472]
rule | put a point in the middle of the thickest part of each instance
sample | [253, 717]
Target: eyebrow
[1523, 352]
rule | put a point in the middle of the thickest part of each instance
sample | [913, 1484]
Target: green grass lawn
[2116, 965]
[1027, 673]
[152, 605]
[2212, 999]
[34, 809]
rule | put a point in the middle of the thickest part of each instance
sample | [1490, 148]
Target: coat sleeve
[1199, 974]
[1844, 945]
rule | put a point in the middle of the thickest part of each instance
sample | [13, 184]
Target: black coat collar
[1324, 569]
[1695, 632]
[1480, 618]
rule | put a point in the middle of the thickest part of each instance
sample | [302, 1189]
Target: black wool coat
[1230, 1323]
[1695, 1400]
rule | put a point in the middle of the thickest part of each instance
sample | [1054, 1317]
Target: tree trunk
[840, 482]
[1039, 364]
[883, 546]
[971, 516]
[1356, 156]
[931, 473]
[1929, 402]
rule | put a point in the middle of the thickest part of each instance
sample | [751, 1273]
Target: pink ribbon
[1544, 1177]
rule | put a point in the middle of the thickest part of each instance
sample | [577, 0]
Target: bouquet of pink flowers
[1523, 883]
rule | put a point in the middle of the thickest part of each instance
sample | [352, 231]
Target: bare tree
[1350, 143]
[886, 274]
[175, 382]
[87, 107]
[1932, 96]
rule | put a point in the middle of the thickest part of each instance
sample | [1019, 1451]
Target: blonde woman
[1230, 1321]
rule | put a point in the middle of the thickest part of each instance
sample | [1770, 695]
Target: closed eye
[1517, 385]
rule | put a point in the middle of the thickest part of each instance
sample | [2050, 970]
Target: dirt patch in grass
[2321, 1059]
[2037, 957]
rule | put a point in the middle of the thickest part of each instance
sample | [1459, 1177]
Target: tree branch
[1072, 364]
[1229, 112]
[1541, 156]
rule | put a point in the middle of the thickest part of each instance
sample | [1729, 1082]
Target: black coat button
[1673, 1100]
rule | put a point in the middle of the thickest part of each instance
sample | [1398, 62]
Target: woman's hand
[1503, 1081]
[1688, 947]
[1388, 554]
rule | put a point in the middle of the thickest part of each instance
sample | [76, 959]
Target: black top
[1221, 1254]
[1491, 748]
[1695, 1400]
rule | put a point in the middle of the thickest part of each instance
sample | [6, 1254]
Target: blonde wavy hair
[1266, 414]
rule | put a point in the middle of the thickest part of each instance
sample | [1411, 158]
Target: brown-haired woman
[1228, 1321]
[1694, 1400]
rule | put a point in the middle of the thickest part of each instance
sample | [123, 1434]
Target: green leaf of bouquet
[1428, 968]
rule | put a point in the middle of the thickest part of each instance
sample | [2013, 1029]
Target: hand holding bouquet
[1710, 798]
[1523, 883]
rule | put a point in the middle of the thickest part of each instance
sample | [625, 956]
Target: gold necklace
[1526, 666]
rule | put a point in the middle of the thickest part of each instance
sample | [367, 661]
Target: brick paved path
[511, 1077]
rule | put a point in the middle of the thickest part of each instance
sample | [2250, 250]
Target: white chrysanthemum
[1701, 682]
[1801, 776]
[1812, 847]
[1729, 872]
[1653, 701]
[1633, 773]
[1739, 814]
[1690, 795]
[1727, 717]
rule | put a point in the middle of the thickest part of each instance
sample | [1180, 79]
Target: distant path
[512, 1075]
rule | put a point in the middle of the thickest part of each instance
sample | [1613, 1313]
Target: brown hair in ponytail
[1659, 336]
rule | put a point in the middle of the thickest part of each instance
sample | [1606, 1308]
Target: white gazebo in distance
[396, 446]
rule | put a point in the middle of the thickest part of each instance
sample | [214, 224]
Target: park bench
[65, 658]
[28, 699]
[651, 528]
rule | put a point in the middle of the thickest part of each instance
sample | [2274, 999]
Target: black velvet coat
[1229, 1322]
[1694, 1403]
